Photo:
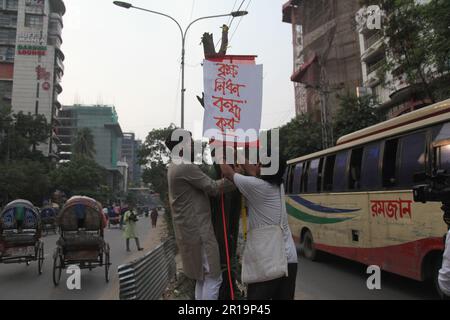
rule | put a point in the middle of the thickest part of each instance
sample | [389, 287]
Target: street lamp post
[127, 5]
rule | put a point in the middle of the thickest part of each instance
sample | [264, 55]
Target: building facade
[393, 94]
[326, 54]
[104, 124]
[31, 60]
[130, 147]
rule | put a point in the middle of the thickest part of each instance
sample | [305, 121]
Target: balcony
[374, 67]
[288, 8]
[56, 16]
[58, 88]
[60, 54]
[58, 6]
[373, 39]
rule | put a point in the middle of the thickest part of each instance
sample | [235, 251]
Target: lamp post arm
[203, 18]
[164, 15]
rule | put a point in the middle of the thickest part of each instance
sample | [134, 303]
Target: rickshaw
[81, 243]
[48, 219]
[20, 234]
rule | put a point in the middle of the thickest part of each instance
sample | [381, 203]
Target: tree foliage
[21, 134]
[154, 156]
[355, 113]
[81, 176]
[24, 179]
[84, 145]
[299, 137]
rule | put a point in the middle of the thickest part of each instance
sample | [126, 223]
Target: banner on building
[233, 99]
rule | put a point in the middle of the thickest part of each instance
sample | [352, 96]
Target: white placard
[233, 100]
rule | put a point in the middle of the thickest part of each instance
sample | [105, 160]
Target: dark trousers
[277, 289]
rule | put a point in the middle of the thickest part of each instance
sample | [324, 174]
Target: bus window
[328, 173]
[288, 179]
[412, 158]
[390, 163]
[370, 177]
[441, 132]
[319, 176]
[354, 176]
[441, 141]
[304, 183]
[443, 158]
[314, 173]
[297, 172]
[340, 171]
[285, 177]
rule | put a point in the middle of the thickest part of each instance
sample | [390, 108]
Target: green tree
[21, 134]
[300, 136]
[24, 179]
[84, 145]
[81, 176]
[416, 40]
[355, 113]
[155, 156]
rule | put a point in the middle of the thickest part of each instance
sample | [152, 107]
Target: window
[441, 141]
[370, 173]
[34, 20]
[297, 178]
[12, 4]
[354, 176]
[8, 19]
[304, 181]
[340, 171]
[328, 173]
[7, 35]
[390, 163]
[441, 132]
[443, 158]
[412, 158]
[315, 176]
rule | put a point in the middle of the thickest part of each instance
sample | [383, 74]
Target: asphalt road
[17, 281]
[334, 278]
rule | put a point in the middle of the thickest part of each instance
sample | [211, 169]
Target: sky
[131, 59]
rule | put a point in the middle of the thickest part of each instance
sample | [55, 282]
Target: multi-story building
[393, 94]
[104, 124]
[326, 53]
[31, 60]
[130, 147]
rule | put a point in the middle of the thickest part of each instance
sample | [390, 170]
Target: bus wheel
[307, 247]
[437, 264]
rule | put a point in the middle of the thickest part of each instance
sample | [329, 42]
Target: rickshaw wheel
[107, 262]
[57, 268]
[40, 257]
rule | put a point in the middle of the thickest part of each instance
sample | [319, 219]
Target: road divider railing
[147, 278]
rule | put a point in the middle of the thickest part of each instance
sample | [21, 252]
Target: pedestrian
[273, 272]
[154, 217]
[189, 191]
[130, 219]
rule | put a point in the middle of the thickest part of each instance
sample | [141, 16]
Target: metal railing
[372, 39]
[373, 67]
[148, 277]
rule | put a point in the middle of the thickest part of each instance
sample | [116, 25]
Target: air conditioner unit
[2, 58]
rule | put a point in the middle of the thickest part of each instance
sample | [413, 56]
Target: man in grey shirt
[189, 191]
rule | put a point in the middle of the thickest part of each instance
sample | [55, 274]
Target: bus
[355, 200]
